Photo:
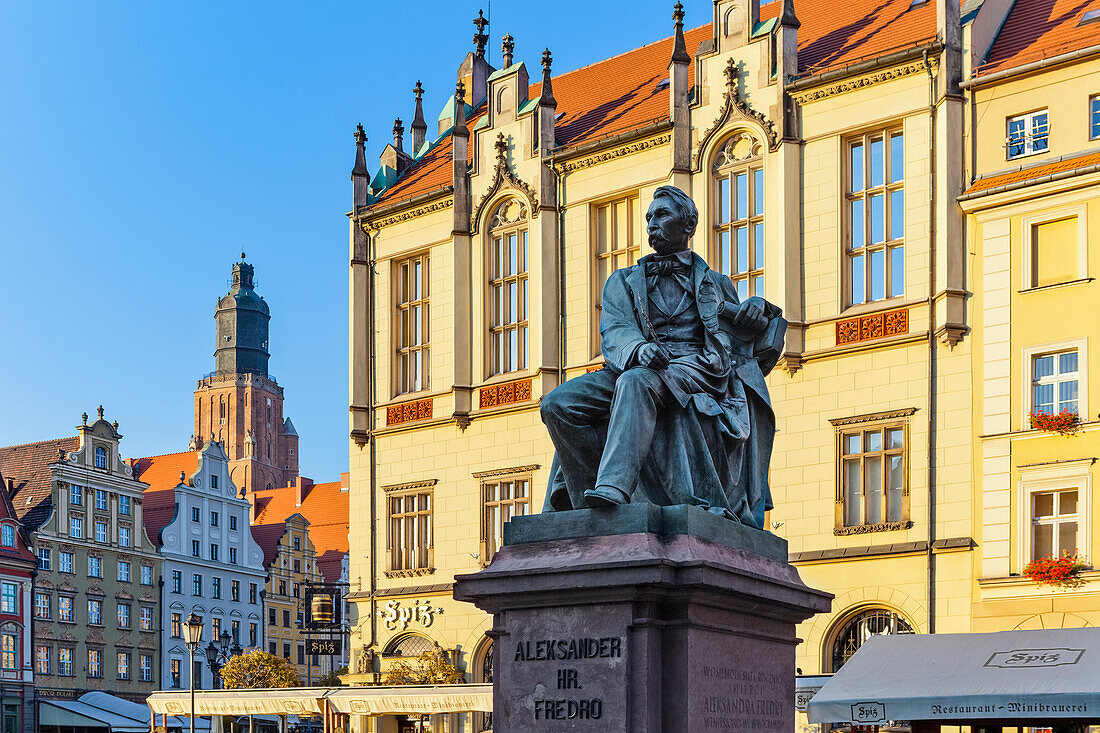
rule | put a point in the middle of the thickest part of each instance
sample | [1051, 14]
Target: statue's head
[671, 220]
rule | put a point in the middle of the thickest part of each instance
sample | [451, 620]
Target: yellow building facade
[828, 179]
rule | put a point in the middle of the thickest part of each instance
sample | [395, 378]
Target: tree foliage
[258, 669]
[332, 679]
[430, 668]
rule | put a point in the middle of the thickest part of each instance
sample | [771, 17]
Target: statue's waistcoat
[681, 331]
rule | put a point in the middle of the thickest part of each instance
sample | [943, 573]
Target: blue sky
[144, 145]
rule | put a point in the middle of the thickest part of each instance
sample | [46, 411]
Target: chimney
[460, 151]
[392, 155]
[507, 50]
[302, 487]
[678, 96]
[360, 176]
[419, 127]
[547, 108]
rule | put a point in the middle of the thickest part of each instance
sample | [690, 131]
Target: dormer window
[100, 457]
[7, 536]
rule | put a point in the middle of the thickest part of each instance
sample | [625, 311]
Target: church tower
[239, 404]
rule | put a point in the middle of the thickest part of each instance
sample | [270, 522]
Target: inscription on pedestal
[743, 699]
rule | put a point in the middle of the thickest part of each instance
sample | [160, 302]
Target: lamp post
[221, 652]
[192, 630]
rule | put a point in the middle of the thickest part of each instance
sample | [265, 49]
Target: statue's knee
[552, 407]
[637, 378]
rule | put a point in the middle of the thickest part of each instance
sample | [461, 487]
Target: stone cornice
[413, 212]
[612, 153]
[506, 471]
[870, 78]
[872, 417]
[411, 486]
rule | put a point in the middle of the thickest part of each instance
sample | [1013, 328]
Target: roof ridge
[39, 442]
[165, 455]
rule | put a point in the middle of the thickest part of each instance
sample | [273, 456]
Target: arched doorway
[854, 630]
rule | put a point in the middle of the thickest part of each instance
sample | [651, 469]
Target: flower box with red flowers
[1060, 572]
[1063, 423]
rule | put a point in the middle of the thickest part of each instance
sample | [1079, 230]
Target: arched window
[857, 629]
[738, 245]
[508, 303]
[408, 645]
[485, 675]
[100, 457]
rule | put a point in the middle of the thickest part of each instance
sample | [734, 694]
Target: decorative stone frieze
[873, 326]
[506, 393]
[869, 528]
[618, 151]
[859, 82]
[407, 412]
[411, 213]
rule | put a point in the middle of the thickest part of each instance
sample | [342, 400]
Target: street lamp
[218, 654]
[192, 629]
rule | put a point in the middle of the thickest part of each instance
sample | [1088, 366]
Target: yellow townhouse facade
[827, 150]
[1033, 219]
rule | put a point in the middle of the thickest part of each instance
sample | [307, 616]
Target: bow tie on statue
[665, 265]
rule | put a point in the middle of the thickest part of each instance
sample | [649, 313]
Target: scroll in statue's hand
[652, 356]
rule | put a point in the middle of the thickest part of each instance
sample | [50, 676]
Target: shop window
[739, 214]
[875, 216]
[412, 330]
[854, 631]
[508, 292]
[872, 485]
[1028, 134]
[617, 236]
[409, 536]
[502, 497]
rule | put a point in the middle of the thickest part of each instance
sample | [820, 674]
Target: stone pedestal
[641, 619]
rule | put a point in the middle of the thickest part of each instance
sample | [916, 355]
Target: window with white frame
[124, 570]
[65, 609]
[101, 532]
[146, 574]
[9, 650]
[95, 611]
[1054, 380]
[43, 558]
[1027, 134]
[7, 536]
[76, 527]
[124, 665]
[1054, 520]
[42, 659]
[100, 457]
[76, 495]
[617, 236]
[101, 500]
[875, 216]
[124, 505]
[508, 296]
[95, 567]
[65, 661]
[502, 497]
[9, 597]
[872, 487]
[739, 214]
[145, 618]
[123, 536]
[410, 529]
[146, 667]
[1094, 117]
[42, 605]
[95, 663]
[65, 562]
[124, 615]
[412, 330]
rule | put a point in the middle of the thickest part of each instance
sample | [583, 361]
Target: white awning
[409, 699]
[283, 701]
[1037, 675]
[70, 713]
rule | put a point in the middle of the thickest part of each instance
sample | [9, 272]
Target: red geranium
[1063, 423]
[1061, 572]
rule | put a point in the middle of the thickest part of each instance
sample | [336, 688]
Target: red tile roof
[162, 473]
[19, 551]
[325, 507]
[28, 468]
[1039, 29]
[620, 94]
[1033, 173]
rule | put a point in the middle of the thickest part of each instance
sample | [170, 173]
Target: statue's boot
[603, 496]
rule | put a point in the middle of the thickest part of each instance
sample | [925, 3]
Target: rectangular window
[124, 571]
[617, 236]
[1054, 382]
[65, 562]
[253, 633]
[9, 654]
[196, 548]
[174, 669]
[42, 659]
[232, 555]
[235, 631]
[271, 616]
[1094, 117]
[235, 590]
[252, 593]
[286, 618]
[213, 552]
[146, 667]
[7, 536]
[286, 650]
[412, 327]
[297, 591]
[95, 567]
[873, 488]
[177, 581]
[9, 598]
[76, 495]
[195, 514]
[508, 302]
[232, 522]
[196, 585]
[43, 559]
[501, 499]
[95, 663]
[123, 536]
[101, 532]
[213, 482]
[42, 605]
[145, 618]
[216, 628]
[410, 530]
[875, 216]
[146, 574]
[95, 612]
[297, 566]
[739, 225]
[124, 615]
[272, 648]
[213, 517]
[301, 654]
[101, 500]
[282, 587]
[65, 609]
[1027, 134]
[215, 587]
[124, 505]
[177, 625]
[1054, 252]
[297, 542]
[124, 665]
[65, 661]
[76, 527]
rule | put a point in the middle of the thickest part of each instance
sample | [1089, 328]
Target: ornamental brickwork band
[874, 326]
[409, 412]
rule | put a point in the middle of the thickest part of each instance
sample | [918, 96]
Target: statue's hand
[751, 316]
[652, 356]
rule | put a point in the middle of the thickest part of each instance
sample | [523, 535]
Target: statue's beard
[663, 247]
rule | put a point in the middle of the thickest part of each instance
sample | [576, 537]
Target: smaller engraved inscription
[409, 412]
[506, 393]
[870, 327]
